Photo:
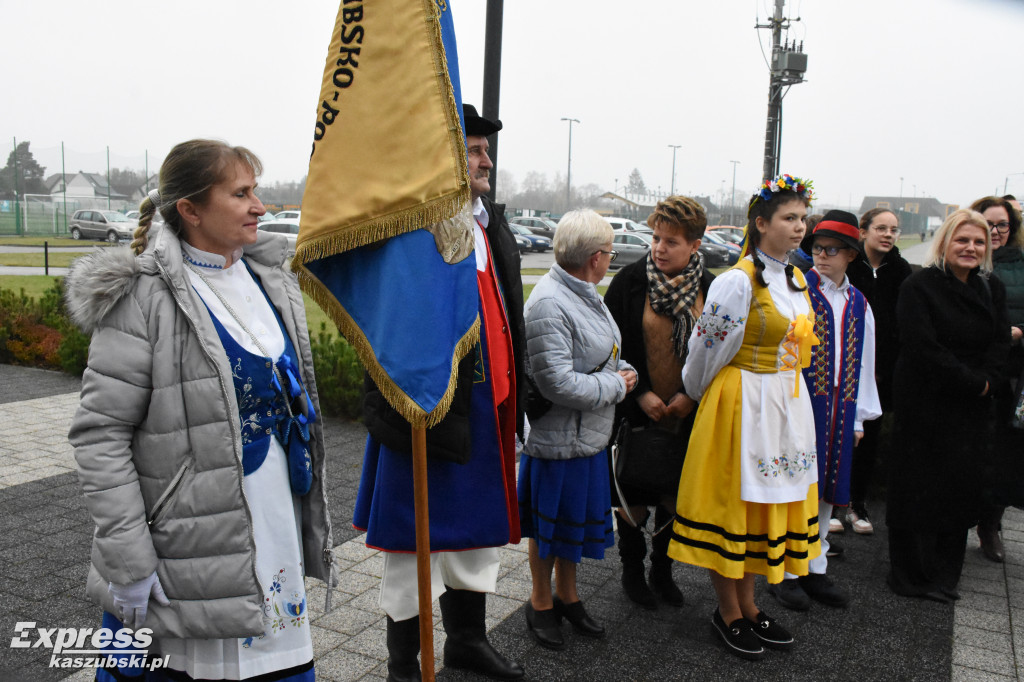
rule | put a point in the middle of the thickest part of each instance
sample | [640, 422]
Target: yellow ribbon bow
[801, 334]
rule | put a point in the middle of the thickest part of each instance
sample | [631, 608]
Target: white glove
[132, 600]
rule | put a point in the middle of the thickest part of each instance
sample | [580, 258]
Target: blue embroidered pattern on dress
[774, 260]
[714, 327]
[278, 612]
[792, 466]
[201, 264]
[248, 406]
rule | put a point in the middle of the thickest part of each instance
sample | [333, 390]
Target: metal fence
[50, 215]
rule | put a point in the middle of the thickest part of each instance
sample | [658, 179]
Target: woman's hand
[132, 600]
[681, 405]
[857, 435]
[652, 406]
[1016, 334]
[629, 376]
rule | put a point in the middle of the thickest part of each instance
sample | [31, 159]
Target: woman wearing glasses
[878, 273]
[572, 346]
[1008, 265]
[656, 302]
[197, 442]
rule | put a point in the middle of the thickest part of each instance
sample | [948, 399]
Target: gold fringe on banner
[396, 397]
[384, 227]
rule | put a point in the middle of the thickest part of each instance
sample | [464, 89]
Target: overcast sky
[926, 90]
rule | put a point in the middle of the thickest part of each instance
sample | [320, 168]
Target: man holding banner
[470, 460]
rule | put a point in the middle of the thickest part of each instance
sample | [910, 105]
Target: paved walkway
[46, 531]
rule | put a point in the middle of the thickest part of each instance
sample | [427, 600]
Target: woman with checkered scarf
[656, 302]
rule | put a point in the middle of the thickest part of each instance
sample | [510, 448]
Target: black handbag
[648, 458]
[536, 405]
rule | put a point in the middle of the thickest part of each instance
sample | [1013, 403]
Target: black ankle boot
[660, 580]
[632, 550]
[403, 647]
[462, 613]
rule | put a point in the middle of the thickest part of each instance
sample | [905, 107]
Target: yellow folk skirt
[714, 527]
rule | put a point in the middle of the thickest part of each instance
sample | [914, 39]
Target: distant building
[86, 185]
[94, 185]
[916, 214]
[926, 206]
[639, 206]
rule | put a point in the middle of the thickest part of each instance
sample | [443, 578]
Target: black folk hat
[840, 225]
[476, 124]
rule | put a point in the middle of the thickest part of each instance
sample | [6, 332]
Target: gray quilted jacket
[158, 444]
[569, 334]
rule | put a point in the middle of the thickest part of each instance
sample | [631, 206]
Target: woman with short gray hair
[584, 233]
[572, 345]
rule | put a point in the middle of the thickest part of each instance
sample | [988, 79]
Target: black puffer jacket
[450, 439]
[882, 287]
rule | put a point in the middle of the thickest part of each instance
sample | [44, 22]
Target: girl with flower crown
[748, 494]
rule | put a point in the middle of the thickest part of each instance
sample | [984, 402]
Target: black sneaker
[834, 550]
[739, 637]
[820, 587]
[790, 594]
[771, 633]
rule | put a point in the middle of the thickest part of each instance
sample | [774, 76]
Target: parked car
[288, 215]
[715, 255]
[109, 225]
[537, 243]
[727, 232]
[132, 215]
[522, 242]
[627, 225]
[545, 227]
[734, 249]
[267, 217]
[631, 247]
[289, 228]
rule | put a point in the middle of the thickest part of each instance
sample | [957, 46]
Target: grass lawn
[59, 259]
[34, 285]
[911, 240]
[314, 316]
[53, 241]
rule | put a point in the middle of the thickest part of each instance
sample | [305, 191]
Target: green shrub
[39, 333]
[339, 375]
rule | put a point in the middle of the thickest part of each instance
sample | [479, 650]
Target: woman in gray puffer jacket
[198, 447]
[572, 343]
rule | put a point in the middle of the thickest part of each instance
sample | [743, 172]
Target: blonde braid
[147, 209]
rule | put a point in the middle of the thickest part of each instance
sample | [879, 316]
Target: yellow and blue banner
[386, 230]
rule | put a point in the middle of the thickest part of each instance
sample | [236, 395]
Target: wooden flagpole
[419, 482]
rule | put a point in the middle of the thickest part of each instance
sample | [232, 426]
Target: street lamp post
[674, 148]
[1006, 182]
[732, 201]
[568, 173]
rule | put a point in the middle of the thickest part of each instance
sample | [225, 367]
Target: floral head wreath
[766, 192]
[803, 188]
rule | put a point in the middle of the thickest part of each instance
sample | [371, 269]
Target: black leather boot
[462, 613]
[632, 550]
[988, 534]
[403, 648]
[661, 581]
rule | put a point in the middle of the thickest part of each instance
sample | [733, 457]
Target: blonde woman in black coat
[955, 337]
